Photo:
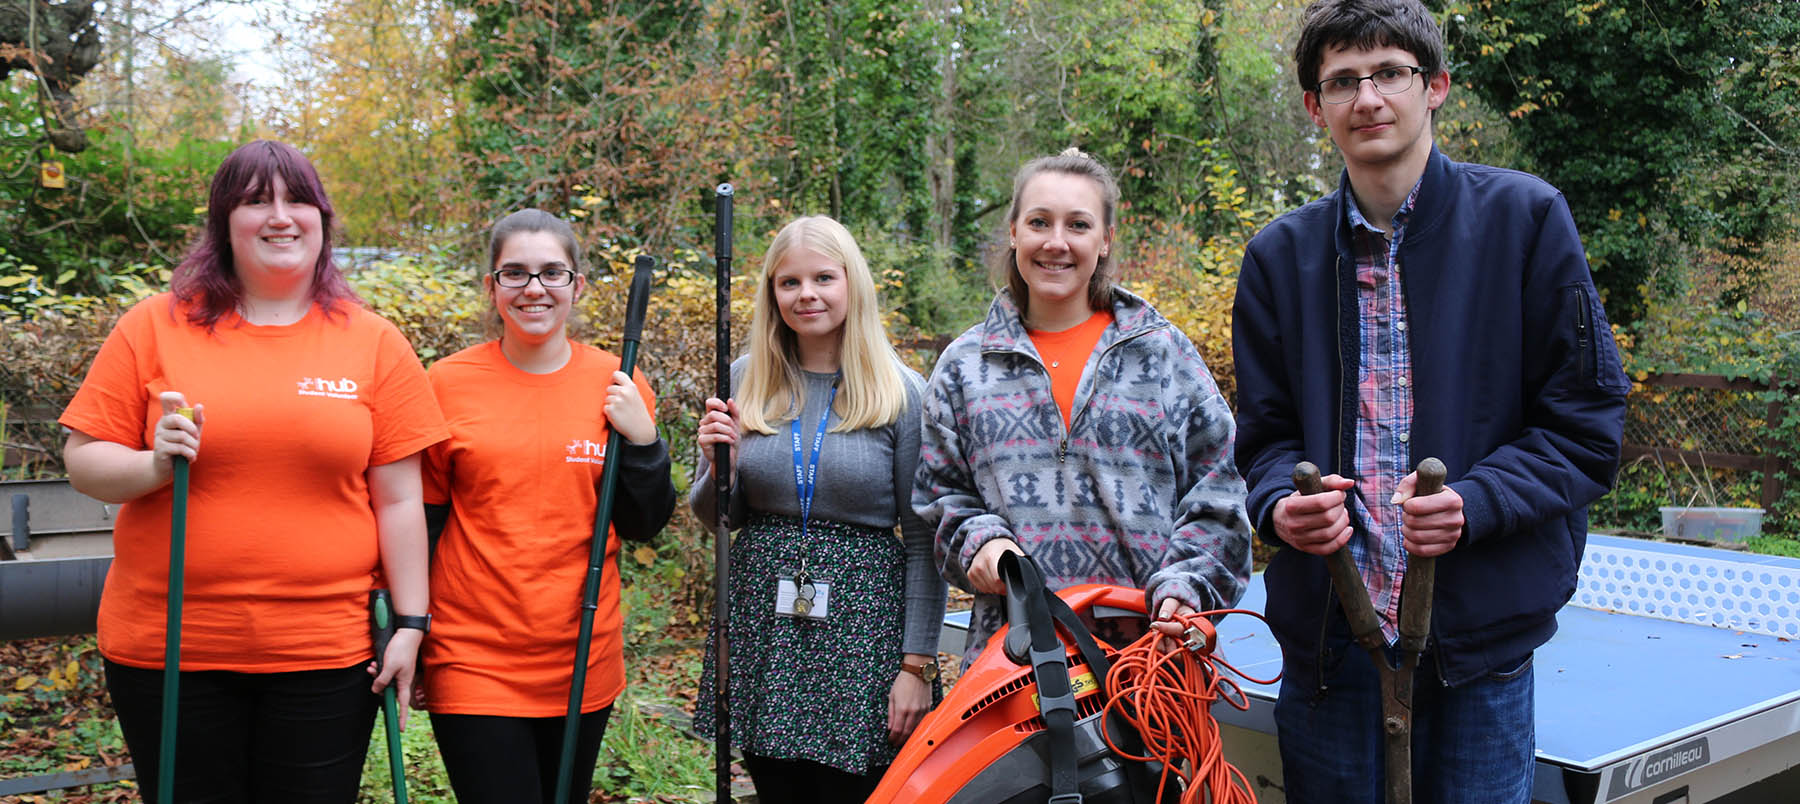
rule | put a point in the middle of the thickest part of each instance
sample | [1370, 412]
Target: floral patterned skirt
[804, 688]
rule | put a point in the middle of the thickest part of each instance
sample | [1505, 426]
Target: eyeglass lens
[519, 277]
[1390, 81]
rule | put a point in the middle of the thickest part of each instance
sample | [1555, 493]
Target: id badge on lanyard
[800, 594]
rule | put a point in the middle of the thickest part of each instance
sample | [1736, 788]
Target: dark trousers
[250, 737]
[798, 781]
[504, 760]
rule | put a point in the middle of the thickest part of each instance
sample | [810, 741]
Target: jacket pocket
[1596, 355]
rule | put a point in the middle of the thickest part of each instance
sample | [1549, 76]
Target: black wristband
[420, 622]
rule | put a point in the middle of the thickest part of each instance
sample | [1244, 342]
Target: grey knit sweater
[865, 477]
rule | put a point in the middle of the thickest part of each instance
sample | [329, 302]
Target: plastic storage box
[1722, 525]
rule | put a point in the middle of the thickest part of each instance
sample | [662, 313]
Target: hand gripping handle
[1421, 573]
[1354, 596]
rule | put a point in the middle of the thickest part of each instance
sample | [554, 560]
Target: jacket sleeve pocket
[1596, 354]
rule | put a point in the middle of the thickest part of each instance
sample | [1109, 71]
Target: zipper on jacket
[1319, 685]
[1583, 335]
[1062, 449]
[1337, 443]
[1337, 435]
[1581, 318]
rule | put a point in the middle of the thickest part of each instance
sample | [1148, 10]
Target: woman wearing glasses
[515, 491]
[834, 621]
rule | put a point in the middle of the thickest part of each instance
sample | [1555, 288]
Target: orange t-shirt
[1066, 355]
[281, 542]
[521, 473]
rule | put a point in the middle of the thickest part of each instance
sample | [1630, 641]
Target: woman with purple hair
[304, 491]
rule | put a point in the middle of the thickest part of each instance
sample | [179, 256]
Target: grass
[426, 780]
[645, 758]
[55, 716]
[1775, 545]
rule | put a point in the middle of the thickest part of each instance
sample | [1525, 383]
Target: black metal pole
[721, 461]
[609, 483]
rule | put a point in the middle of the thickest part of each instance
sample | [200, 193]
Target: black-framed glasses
[519, 277]
[1387, 81]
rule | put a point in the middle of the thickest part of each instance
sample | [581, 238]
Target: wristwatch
[421, 622]
[926, 671]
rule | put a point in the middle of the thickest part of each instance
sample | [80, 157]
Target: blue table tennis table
[1674, 677]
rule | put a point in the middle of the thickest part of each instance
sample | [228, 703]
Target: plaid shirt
[1384, 408]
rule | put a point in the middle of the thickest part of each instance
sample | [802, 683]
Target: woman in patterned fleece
[1077, 425]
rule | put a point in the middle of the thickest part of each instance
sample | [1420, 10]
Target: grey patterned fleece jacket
[1140, 490]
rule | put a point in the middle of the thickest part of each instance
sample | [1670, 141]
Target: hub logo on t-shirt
[336, 389]
[582, 450]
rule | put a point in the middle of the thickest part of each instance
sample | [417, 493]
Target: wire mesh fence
[1705, 432]
[1707, 420]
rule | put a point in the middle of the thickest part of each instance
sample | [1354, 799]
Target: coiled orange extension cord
[1167, 695]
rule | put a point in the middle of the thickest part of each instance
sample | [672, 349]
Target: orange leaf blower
[1029, 721]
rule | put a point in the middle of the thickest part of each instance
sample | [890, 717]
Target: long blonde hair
[872, 392]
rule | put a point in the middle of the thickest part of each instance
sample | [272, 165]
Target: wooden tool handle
[1349, 584]
[1417, 590]
[1306, 478]
[1431, 477]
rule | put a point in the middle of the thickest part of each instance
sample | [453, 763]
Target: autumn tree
[620, 114]
[372, 102]
[126, 206]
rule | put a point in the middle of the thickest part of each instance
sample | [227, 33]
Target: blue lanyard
[805, 481]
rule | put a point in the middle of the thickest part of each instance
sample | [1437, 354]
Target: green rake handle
[171, 690]
[381, 622]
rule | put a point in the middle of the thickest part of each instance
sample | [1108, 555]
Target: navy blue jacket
[1517, 387]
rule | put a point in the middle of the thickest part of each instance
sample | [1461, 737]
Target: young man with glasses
[1426, 308]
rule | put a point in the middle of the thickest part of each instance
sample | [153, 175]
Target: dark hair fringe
[206, 280]
[1366, 24]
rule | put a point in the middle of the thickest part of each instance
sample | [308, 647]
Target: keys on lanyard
[804, 592]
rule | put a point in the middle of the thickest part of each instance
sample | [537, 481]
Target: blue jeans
[1471, 744]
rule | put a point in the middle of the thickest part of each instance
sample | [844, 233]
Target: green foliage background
[1672, 127]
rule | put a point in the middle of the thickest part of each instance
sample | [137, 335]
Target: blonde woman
[834, 620]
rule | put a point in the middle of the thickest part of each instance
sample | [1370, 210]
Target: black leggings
[799, 781]
[250, 737]
[505, 760]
